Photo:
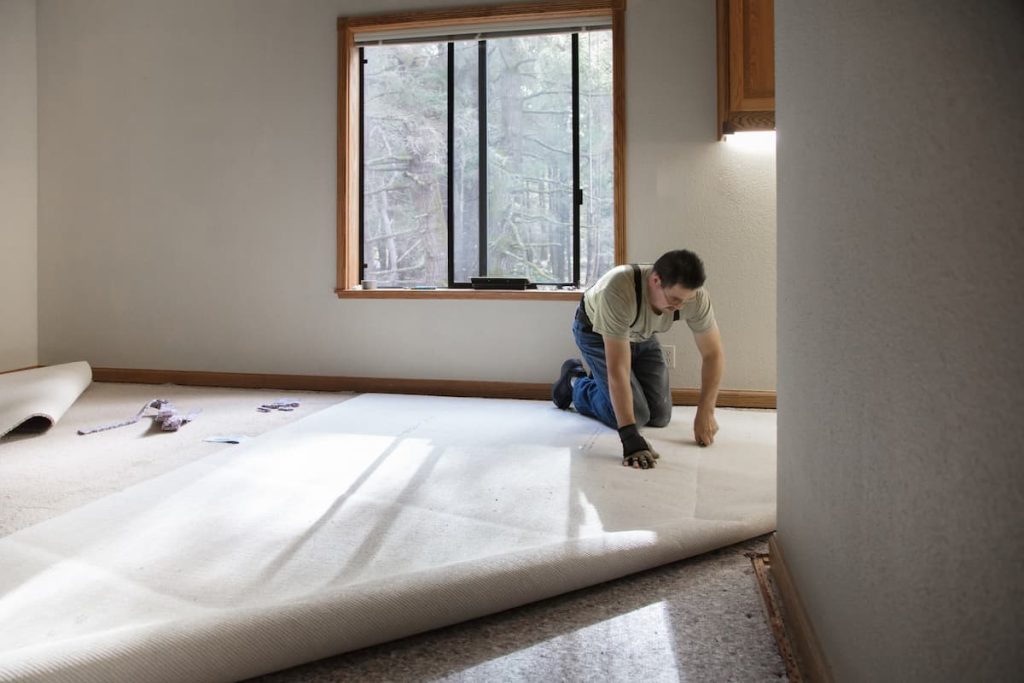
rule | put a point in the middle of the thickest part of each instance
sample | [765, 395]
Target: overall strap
[639, 295]
[637, 283]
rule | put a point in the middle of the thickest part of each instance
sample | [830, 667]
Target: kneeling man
[616, 330]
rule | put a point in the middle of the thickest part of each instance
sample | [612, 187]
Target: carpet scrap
[166, 415]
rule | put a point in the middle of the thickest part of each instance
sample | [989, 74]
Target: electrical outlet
[670, 354]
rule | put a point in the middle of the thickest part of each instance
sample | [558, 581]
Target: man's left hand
[705, 427]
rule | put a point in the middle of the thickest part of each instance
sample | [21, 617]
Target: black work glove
[636, 452]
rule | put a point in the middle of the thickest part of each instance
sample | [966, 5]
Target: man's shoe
[561, 391]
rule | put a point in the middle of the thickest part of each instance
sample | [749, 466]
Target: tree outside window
[524, 179]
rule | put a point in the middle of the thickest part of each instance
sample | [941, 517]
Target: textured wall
[687, 189]
[187, 196]
[18, 302]
[901, 223]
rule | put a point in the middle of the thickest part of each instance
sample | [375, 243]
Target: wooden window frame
[349, 133]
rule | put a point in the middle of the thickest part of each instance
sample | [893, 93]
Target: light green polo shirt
[611, 306]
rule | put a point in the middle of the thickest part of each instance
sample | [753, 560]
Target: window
[481, 143]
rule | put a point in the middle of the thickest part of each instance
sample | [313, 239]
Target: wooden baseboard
[812, 663]
[727, 398]
[30, 367]
[773, 610]
[433, 387]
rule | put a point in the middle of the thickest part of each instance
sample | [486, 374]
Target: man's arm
[636, 452]
[709, 343]
[617, 355]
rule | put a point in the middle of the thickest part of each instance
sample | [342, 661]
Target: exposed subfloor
[700, 619]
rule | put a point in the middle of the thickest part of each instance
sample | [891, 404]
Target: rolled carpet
[37, 398]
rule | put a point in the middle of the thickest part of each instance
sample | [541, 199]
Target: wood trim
[736, 61]
[813, 665]
[751, 121]
[727, 398]
[382, 385]
[751, 54]
[722, 32]
[487, 14]
[30, 367]
[348, 109]
[746, 65]
[470, 294]
[239, 380]
[348, 165]
[340, 188]
[619, 130]
[762, 569]
[758, 35]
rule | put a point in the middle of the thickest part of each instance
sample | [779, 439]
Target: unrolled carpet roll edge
[39, 397]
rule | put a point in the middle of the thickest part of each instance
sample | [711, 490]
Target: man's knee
[659, 420]
[660, 413]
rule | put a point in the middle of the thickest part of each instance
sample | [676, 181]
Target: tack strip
[762, 564]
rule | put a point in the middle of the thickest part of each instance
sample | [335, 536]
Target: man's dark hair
[680, 267]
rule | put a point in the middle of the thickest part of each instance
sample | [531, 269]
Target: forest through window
[489, 157]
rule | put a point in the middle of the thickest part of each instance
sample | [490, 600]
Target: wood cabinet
[746, 65]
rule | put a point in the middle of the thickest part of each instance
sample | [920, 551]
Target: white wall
[18, 300]
[187, 194]
[901, 227]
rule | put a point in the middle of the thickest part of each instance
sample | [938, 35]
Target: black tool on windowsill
[501, 283]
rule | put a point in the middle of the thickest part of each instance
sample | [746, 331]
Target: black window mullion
[482, 117]
[577, 191]
[451, 164]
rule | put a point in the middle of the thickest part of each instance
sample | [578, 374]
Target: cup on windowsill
[369, 284]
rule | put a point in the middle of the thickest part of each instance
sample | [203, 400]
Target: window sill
[478, 294]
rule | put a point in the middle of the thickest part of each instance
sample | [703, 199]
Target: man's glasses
[675, 301]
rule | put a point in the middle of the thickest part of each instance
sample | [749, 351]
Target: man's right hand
[636, 452]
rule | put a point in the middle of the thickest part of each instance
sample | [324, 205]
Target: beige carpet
[373, 519]
[35, 399]
[43, 475]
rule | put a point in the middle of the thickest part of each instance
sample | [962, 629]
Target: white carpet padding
[377, 518]
[41, 393]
